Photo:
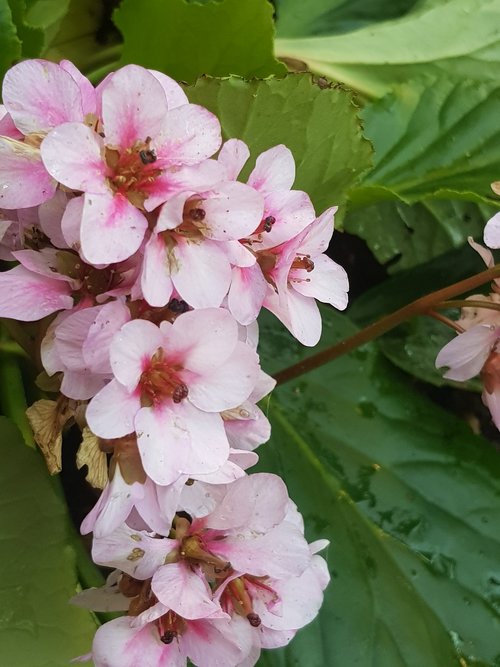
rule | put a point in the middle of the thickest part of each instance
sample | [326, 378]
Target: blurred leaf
[457, 37]
[75, 35]
[10, 46]
[320, 126]
[186, 40]
[296, 18]
[403, 236]
[38, 565]
[37, 21]
[409, 499]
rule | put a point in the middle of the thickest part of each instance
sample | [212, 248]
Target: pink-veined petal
[156, 283]
[133, 106]
[274, 170]
[107, 321]
[466, 354]
[317, 238]
[293, 212]
[73, 154]
[233, 210]
[300, 315]
[132, 349]
[28, 297]
[190, 135]
[229, 385]
[202, 273]
[174, 180]
[202, 339]
[24, 180]
[110, 414]
[184, 591]
[247, 293]
[327, 282]
[112, 228]
[233, 155]
[264, 508]
[174, 94]
[214, 643]
[40, 95]
[87, 90]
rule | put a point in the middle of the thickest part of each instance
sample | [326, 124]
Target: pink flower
[170, 384]
[38, 96]
[492, 232]
[188, 250]
[151, 149]
[78, 345]
[169, 640]
[299, 273]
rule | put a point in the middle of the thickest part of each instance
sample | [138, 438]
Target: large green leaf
[458, 37]
[434, 137]
[38, 564]
[186, 40]
[403, 236]
[410, 500]
[296, 18]
[320, 125]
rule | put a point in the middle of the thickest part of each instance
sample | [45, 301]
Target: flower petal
[27, 296]
[233, 155]
[466, 354]
[233, 211]
[190, 135]
[132, 349]
[40, 95]
[274, 170]
[24, 180]
[184, 591]
[110, 414]
[112, 228]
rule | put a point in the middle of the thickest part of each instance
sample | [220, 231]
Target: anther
[197, 214]
[148, 156]
[185, 515]
[168, 636]
[269, 222]
[178, 306]
[254, 619]
[180, 392]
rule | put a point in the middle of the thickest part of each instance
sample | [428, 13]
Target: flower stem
[385, 324]
[445, 320]
[469, 303]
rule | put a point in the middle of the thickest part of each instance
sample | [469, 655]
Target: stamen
[148, 156]
[268, 223]
[196, 214]
[178, 306]
[254, 619]
[168, 636]
[304, 262]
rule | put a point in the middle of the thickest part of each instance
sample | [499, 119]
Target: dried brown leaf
[47, 419]
[90, 454]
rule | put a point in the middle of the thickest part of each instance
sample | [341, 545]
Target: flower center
[132, 170]
[161, 381]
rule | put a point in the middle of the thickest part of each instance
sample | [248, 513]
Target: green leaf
[75, 33]
[409, 500]
[458, 37]
[434, 137]
[402, 236]
[38, 571]
[31, 37]
[186, 40]
[320, 126]
[296, 18]
[10, 46]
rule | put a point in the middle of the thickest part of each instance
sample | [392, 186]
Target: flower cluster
[148, 262]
